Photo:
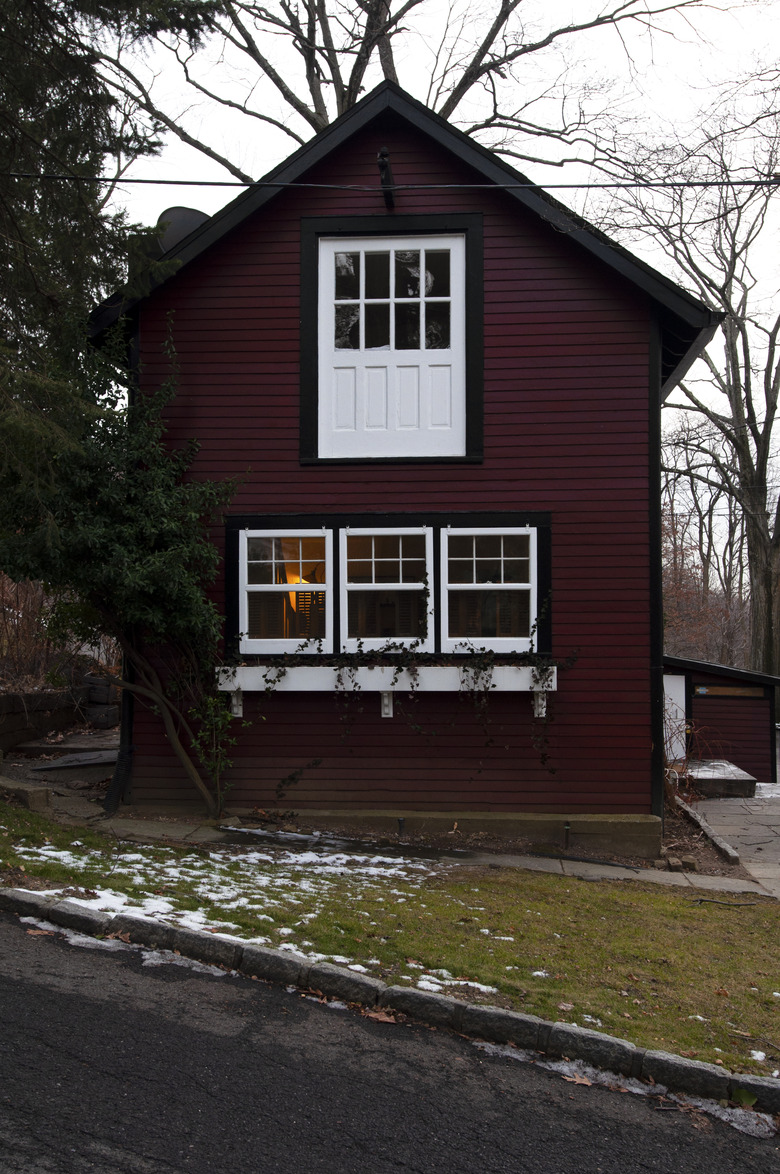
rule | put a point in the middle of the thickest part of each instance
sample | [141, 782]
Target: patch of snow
[540, 974]
[760, 1056]
[745, 1120]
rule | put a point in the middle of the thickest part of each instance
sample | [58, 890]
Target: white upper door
[392, 352]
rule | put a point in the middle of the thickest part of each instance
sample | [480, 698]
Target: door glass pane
[347, 331]
[347, 276]
[437, 326]
[377, 275]
[377, 326]
[437, 273]
[407, 273]
[407, 326]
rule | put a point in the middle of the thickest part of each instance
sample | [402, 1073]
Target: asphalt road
[107, 1065]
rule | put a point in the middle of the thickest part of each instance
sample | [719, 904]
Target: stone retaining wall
[24, 716]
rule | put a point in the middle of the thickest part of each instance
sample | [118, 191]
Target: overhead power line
[616, 185]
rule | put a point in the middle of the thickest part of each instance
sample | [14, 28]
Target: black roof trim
[720, 670]
[700, 321]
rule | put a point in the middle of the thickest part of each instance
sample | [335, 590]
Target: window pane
[259, 573]
[516, 546]
[313, 550]
[437, 326]
[359, 571]
[483, 614]
[259, 549]
[437, 273]
[413, 570]
[387, 570]
[487, 545]
[461, 570]
[377, 325]
[387, 545]
[359, 546]
[347, 330]
[460, 546]
[377, 275]
[286, 615]
[347, 275]
[407, 326]
[386, 614]
[488, 570]
[407, 273]
[413, 545]
[517, 570]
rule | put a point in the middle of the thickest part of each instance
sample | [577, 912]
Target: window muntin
[392, 346]
[287, 582]
[385, 595]
[488, 589]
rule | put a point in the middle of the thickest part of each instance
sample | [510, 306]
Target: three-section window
[436, 588]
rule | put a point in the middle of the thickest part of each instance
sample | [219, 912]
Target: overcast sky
[672, 77]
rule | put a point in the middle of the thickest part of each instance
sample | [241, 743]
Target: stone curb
[556, 1040]
[727, 852]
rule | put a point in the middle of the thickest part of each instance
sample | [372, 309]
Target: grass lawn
[665, 968]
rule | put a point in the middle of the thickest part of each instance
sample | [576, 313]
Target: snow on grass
[269, 897]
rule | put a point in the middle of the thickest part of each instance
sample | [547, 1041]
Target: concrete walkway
[752, 827]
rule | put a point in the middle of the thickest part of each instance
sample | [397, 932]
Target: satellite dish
[176, 223]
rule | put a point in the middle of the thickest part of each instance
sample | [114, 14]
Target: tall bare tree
[501, 69]
[719, 240]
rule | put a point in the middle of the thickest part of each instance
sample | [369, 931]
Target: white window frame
[352, 644]
[496, 643]
[384, 403]
[247, 645]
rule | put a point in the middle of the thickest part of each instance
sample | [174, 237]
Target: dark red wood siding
[738, 729]
[566, 430]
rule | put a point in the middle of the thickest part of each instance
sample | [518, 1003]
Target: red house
[440, 391]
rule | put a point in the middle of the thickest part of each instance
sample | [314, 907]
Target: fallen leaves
[577, 1079]
[380, 1016]
[39, 933]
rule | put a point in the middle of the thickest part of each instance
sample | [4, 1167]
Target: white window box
[505, 678]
